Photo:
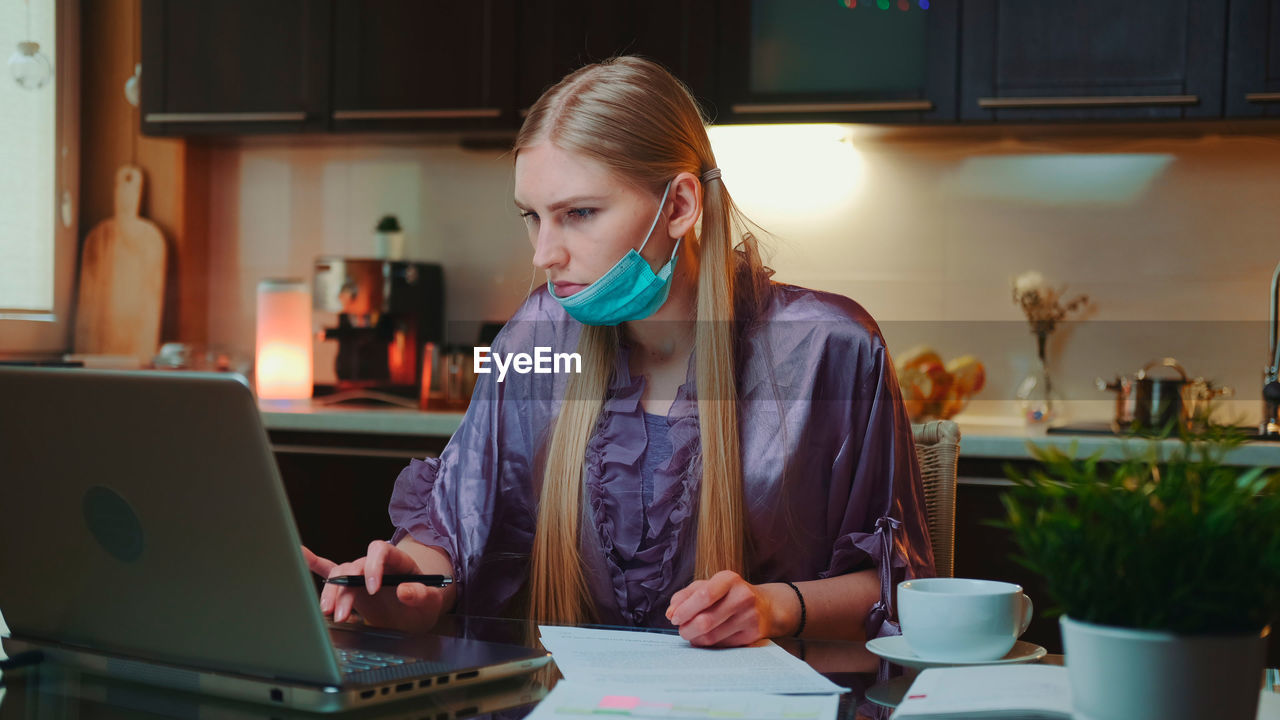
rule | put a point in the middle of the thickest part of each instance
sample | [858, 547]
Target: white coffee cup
[962, 620]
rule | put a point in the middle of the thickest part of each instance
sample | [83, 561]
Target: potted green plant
[1165, 567]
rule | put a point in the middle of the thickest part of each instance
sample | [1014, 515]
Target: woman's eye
[580, 213]
[529, 217]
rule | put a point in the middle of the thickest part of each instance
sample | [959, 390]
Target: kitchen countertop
[1002, 438]
[988, 437]
[310, 416]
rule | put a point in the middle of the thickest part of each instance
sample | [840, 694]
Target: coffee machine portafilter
[387, 310]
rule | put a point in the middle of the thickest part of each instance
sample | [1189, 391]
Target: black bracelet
[802, 612]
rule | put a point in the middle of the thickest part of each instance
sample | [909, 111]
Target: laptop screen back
[144, 516]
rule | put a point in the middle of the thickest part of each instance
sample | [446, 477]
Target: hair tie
[711, 174]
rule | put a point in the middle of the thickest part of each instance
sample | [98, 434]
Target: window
[39, 175]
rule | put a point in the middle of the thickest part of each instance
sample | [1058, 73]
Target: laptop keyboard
[355, 661]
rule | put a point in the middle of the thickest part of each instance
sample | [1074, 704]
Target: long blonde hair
[635, 118]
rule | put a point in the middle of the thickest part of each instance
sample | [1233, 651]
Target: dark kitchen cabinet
[827, 60]
[423, 64]
[1253, 59]
[339, 485]
[240, 66]
[234, 66]
[1092, 59]
[558, 36]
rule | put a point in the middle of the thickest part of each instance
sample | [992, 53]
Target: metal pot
[1197, 396]
[1149, 403]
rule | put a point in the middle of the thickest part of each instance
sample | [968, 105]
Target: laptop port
[404, 687]
[366, 694]
[467, 675]
[386, 690]
[442, 680]
[424, 683]
[277, 695]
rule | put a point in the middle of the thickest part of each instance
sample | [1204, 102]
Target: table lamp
[283, 358]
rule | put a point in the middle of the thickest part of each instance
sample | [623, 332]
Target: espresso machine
[381, 314]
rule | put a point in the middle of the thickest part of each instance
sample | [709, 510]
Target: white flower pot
[388, 245]
[1120, 673]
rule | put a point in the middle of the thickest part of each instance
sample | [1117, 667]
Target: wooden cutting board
[122, 267]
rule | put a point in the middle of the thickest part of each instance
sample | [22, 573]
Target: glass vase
[1036, 397]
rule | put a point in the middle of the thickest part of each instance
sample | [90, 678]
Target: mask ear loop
[662, 204]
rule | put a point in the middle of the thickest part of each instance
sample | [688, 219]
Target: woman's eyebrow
[568, 202]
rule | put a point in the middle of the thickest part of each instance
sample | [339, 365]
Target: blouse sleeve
[476, 500]
[884, 523]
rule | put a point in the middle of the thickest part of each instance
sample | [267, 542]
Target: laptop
[146, 535]
[63, 692]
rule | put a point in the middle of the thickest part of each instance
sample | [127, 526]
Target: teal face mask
[629, 291]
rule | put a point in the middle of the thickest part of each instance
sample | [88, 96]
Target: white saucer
[894, 648]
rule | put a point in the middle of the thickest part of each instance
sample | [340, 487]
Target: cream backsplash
[1172, 238]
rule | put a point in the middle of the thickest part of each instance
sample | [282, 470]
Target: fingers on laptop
[326, 569]
[327, 597]
[342, 598]
[338, 601]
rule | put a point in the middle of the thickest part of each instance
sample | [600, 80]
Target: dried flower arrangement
[1043, 305]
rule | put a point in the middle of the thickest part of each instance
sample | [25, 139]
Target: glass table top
[51, 691]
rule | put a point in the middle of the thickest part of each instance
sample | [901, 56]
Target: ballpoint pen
[392, 579]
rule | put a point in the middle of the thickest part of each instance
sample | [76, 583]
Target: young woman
[733, 458]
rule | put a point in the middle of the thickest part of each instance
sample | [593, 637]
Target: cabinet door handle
[237, 117]
[821, 107]
[1095, 101]
[417, 114]
[1267, 97]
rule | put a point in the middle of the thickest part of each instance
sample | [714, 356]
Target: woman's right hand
[411, 607]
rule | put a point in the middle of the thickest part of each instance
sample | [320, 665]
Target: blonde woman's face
[582, 218]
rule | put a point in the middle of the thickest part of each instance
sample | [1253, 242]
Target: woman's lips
[565, 289]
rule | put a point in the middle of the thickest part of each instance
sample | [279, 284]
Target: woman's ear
[686, 201]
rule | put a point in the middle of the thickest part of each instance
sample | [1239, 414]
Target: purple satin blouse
[829, 469]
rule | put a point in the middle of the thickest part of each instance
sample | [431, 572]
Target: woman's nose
[548, 249]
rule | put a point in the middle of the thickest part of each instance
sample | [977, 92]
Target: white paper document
[626, 659]
[575, 700]
[988, 691]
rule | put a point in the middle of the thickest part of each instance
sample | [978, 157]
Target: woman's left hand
[723, 611]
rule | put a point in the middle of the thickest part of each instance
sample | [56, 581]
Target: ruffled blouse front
[641, 589]
[829, 472]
